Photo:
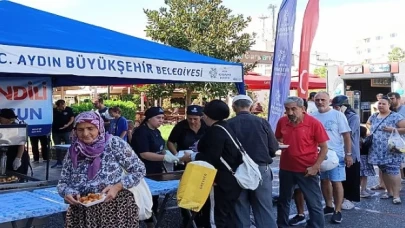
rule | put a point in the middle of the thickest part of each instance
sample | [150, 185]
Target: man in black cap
[259, 141]
[351, 186]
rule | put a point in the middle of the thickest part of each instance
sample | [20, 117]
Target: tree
[396, 55]
[201, 26]
[321, 71]
[156, 91]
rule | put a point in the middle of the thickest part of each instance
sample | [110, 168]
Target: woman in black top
[148, 143]
[186, 133]
[214, 144]
[18, 159]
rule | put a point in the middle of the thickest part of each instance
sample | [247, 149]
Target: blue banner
[31, 100]
[281, 72]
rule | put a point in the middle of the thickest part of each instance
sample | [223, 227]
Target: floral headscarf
[94, 150]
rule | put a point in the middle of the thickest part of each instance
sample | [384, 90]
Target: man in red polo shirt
[300, 162]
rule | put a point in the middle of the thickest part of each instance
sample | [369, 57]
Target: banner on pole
[281, 72]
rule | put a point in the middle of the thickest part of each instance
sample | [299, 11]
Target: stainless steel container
[3, 163]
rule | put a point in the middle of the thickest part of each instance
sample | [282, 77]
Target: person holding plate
[300, 162]
[95, 164]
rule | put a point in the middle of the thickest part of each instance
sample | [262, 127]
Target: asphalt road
[371, 213]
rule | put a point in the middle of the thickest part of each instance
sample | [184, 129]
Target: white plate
[282, 146]
[94, 202]
[181, 153]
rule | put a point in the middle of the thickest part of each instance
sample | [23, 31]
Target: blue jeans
[312, 193]
[261, 202]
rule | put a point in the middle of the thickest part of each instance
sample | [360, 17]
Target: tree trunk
[189, 92]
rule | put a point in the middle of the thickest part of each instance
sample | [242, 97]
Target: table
[18, 206]
[26, 205]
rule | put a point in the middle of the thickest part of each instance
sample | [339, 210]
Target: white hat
[242, 97]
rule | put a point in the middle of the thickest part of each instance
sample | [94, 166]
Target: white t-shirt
[311, 107]
[335, 123]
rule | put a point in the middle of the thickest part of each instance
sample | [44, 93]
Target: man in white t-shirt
[337, 127]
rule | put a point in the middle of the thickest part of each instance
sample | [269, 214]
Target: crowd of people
[109, 154]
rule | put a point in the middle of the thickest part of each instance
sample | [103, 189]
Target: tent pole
[108, 92]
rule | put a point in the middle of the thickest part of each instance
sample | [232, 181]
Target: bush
[128, 108]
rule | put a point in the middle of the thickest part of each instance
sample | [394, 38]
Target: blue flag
[283, 50]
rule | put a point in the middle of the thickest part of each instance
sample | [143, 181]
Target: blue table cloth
[162, 187]
[23, 205]
[50, 194]
[42, 202]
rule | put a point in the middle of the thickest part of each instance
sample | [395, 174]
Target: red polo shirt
[303, 139]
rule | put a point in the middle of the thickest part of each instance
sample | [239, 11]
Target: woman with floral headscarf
[95, 164]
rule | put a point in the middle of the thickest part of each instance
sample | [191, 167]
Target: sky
[341, 22]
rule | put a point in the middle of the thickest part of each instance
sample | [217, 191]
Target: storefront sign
[261, 57]
[353, 69]
[380, 82]
[380, 68]
[31, 100]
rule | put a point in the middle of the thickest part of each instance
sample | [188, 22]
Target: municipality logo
[194, 110]
[213, 73]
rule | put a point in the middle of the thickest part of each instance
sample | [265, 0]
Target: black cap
[217, 110]
[340, 100]
[7, 113]
[152, 112]
[194, 110]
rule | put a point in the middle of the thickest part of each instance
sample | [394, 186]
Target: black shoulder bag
[368, 141]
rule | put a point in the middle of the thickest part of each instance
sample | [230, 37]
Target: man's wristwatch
[348, 154]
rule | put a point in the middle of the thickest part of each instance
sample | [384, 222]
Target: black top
[60, 118]
[184, 137]
[256, 136]
[214, 144]
[144, 140]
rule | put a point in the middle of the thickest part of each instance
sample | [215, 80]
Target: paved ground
[370, 213]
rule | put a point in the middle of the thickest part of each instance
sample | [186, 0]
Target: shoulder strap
[380, 122]
[237, 146]
[230, 136]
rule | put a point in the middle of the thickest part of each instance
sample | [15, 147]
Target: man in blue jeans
[258, 140]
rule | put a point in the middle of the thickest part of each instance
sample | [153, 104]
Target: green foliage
[156, 91]
[322, 71]
[201, 26]
[396, 55]
[128, 108]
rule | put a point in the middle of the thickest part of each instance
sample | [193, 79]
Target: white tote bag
[247, 174]
[331, 161]
[143, 199]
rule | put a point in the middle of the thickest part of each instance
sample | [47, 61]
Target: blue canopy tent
[73, 53]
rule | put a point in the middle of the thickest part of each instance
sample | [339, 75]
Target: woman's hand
[186, 157]
[111, 191]
[388, 129]
[72, 199]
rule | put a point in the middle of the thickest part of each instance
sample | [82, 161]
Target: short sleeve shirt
[184, 137]
[144, 140]
[303, 140]
[335, 124]
[60, 118]
[117, 126]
